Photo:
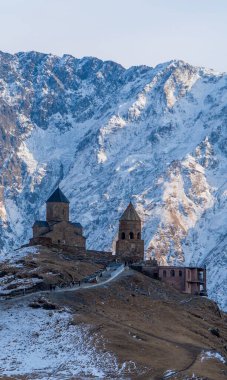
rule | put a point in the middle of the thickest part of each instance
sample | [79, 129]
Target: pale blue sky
[131, 32]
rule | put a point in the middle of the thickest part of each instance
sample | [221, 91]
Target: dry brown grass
[53, 266]
[141, 320]
[153, 325]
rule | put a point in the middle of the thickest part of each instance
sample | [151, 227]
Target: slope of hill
[106, 134]
[131, 328]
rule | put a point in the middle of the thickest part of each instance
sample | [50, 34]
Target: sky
[130, 32]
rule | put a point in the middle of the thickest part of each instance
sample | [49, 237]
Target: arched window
[180, 273]
[164, 273]
[172, 273]
[131, 235]
[138, 235]
[123, 236]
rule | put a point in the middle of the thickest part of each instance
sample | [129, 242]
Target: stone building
[130, 246]
[190, 280]
[186, 279]
[57, 228]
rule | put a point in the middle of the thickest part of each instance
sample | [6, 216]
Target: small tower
[57, 207]
[130, 246]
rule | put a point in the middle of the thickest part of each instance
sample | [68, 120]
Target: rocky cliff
[108, 134]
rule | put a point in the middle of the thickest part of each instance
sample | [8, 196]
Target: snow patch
[47, 345]
[14, 255]
[206, 355]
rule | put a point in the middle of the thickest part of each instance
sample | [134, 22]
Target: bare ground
[146, 322]
[153, 325]
[51, 266]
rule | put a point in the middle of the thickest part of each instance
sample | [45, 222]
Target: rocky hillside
[157, 136]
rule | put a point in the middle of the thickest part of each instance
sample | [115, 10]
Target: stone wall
[40, 240]
[38, 230]
[126, 227]
[66, 233]
[56, 211]
[174, 276]
[130, 250]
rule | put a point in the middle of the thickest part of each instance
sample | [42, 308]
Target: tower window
[123, 236]
[131, 235]
[180, 273]
[138, 235]
[172, 273]
[164, 273]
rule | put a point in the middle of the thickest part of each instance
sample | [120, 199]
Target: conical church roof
[130, 213]
[57, 197]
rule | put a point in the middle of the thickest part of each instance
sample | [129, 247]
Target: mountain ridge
[107, 134]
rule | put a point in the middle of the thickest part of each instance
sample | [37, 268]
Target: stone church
[130, 246]
[57, 228]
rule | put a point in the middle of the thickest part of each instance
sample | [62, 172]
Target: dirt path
[113, 275]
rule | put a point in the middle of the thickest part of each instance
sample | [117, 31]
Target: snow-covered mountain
[157, 136]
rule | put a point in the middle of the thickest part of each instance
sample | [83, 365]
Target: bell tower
[130, 246]
[57, 207]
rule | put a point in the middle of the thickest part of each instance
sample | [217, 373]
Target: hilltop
[40, 268]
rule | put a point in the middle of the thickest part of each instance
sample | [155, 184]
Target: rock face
[157, 136]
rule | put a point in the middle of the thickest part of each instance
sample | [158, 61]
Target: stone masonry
[130, 246]
[57, 228]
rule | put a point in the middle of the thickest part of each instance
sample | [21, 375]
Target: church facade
[57, 228]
